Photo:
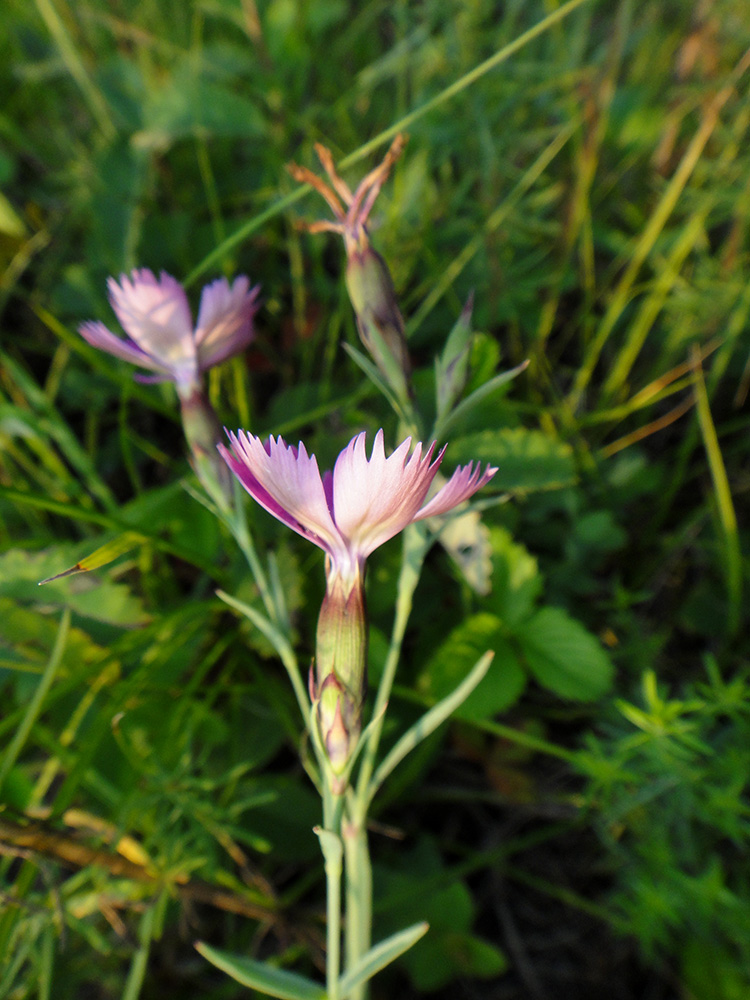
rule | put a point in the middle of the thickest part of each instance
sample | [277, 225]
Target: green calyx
[340, 680]
[379, 319]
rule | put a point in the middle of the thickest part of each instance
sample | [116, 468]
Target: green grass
[583, 168]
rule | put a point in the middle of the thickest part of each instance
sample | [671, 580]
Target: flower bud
[341, 669]
[379, 320]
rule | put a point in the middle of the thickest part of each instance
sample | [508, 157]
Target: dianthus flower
[155, 315]
[348, 513]
[160, 336]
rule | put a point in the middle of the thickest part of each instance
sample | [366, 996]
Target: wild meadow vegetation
[581, 827]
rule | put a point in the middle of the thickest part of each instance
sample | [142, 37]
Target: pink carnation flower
[358, 506]
[155, 315]
[348, 513]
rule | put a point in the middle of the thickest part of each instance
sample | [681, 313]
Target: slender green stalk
[238, 526]
[37, 700]
[358, 925]
[74, 64]
[332, 848]
[146, 934]
[209, 186]
[415, 549]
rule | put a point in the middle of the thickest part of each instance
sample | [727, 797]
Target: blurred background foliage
[583, 828]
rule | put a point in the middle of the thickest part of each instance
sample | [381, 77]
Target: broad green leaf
[526, 459]
[459, 953]
[423, 887]
[27, 636]
[262, 977]
[189, 104]
[516, 581]
[286, 817]
[381, 955]
[450, 664]
[564, 657]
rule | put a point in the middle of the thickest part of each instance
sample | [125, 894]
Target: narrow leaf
[723, 492]
[102, 556]
[467, 405]
[262, 977]
[452, 366]
[381, 955]
[277, 640]
[429, 722]
[374, 375]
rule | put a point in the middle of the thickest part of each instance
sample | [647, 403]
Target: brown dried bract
[350, 220]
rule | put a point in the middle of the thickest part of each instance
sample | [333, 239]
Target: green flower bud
[379, 319]
[340, 681]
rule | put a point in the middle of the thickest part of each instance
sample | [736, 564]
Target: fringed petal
[464, 482]
[286, 481]
[375, 499]
[98, 335]
[225, 320]
[155, 313]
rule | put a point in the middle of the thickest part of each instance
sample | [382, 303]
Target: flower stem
[331, 846]
[237, 524]
[358, 925]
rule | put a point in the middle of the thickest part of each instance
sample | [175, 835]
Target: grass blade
[37, 700]
[252, 225]
[727, 515]
[653, 229]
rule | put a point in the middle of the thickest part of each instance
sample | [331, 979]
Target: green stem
[358, 925]
[331, 846]
[237, 524]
